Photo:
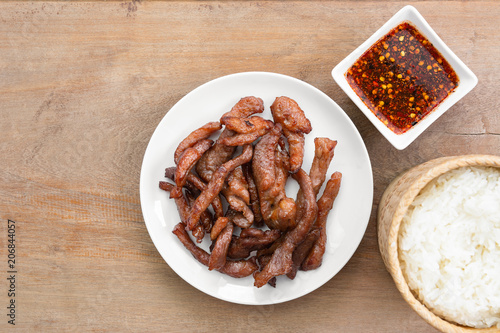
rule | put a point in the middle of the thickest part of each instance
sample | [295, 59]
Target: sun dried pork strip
[301, 252]
[219, 252]
[325, 204]
[194, 183]
[237, 185]
[238, 218]
[281, 260]
[197, 135]
[247, 125]
[243, 139]
[206, 219]
[324, 149]
[241, 246]
[245, 107]
[220, 153]
[187, 162]
[239, 212]
[287, 112]
[200, 185]
[253, 194]
[248, 130]
[218, 226]
[217, 155]
[183, 207]
[263, 162]
[270, 170]
[323, 155]
[236, 268]
[215, 185]
[236, 192]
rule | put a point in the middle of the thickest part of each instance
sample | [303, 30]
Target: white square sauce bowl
[401, 138]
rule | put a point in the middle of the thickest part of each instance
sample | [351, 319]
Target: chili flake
[417, 73]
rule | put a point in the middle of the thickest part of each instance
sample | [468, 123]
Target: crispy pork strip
[243, 139]
[248, 129]
[245, 107]
[239, 212]
[197, 135]
[262, 261]
[200, 185]
[237, 185]
[166, 186]
[193, 183]
[270, 170]
[219, 252]
[281, 260]
[206, 219]
[323, 155]
[187, 161]
[236, 269]
[301, 252]
[241, 246]
[182, 204]
[235, 189]
[247, 125]
[219, 225]
[253, 194]
[284, 217]
[238, 218]
[325, 204]
[263, 163]
[217, 155]
[236, 192]
[215, 185]
[287, 112]
[296, 142]
[270, 173]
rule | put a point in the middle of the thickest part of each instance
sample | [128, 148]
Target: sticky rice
[449, 246]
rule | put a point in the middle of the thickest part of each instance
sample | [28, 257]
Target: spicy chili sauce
[402, 78]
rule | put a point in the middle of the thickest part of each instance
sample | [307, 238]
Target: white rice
[449, 246]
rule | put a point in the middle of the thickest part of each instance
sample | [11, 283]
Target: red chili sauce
[402, 78]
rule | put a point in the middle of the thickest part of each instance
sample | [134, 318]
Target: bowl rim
[427, 172]
[467, 79]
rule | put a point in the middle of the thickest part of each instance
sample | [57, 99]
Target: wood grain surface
[83, 86]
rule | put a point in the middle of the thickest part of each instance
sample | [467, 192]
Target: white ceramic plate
[467, 78]
[346, 223]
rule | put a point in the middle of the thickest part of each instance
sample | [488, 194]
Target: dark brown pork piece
[325, 204]
[215, 185]
[253, 194]
[281, 260]
[295, 124]
[196, 185]
[197, 135]
[323, 155]
[183, 207]
[187, 161]
[301, 252]
[234, 268]
[236, 192]
[249, 240]
[245, 107]
[270, 171]
[219, 251]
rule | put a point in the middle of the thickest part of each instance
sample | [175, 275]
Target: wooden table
[83, 86]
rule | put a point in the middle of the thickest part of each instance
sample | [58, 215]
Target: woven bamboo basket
[393, 206]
